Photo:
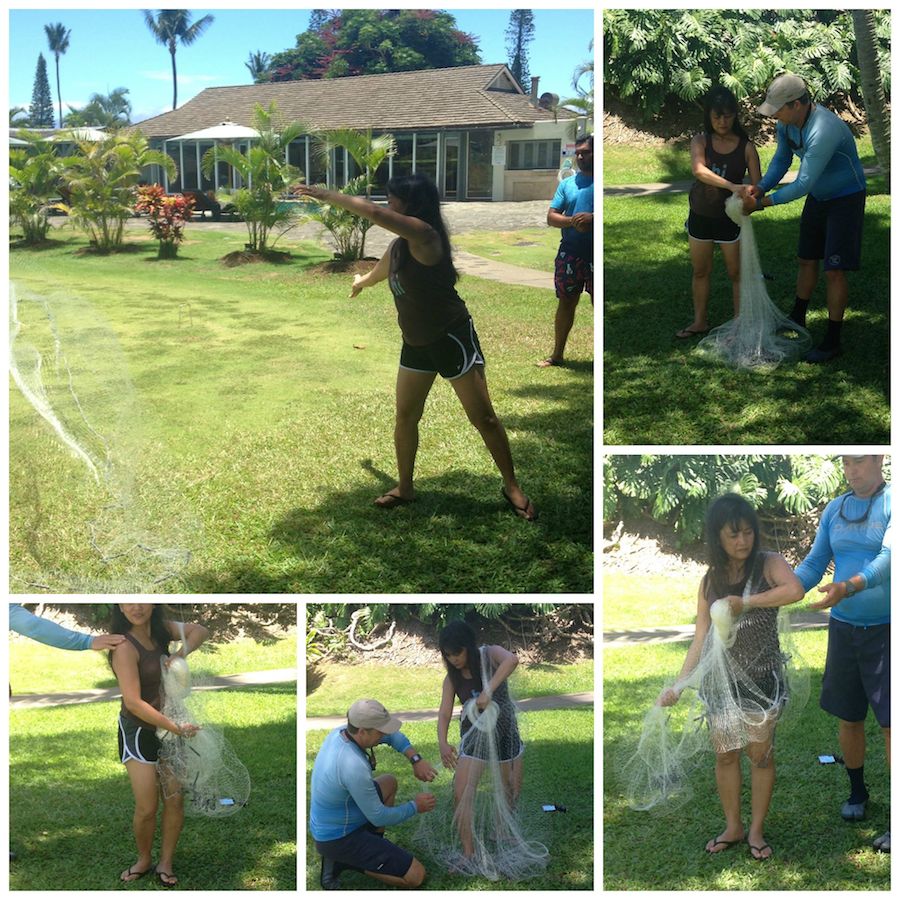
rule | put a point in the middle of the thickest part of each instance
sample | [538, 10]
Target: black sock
[832, 335]
[858, 792]
[798, 313]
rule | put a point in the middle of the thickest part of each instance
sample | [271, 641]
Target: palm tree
[58, 39]
[870, 81]
[111, 110]
[258, 63]
[169, 27]
[18, 116]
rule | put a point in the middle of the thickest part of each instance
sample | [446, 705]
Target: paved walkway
[557, 701]
[32, 701]
[667, 634]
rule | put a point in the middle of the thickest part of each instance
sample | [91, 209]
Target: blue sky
[111, 48]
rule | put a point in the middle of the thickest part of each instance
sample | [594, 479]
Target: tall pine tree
[519, 34]
[40, 112]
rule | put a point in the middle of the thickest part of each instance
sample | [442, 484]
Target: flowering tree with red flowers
[168, 216]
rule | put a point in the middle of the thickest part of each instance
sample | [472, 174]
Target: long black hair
[422, 200]
[458, 636]
[731, 510]
[159, 633]
[721, 100]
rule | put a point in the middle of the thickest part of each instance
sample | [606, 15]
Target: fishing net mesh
[749, 676]
[484, 799]
[84, 483]
[205, 768]
[760, 336]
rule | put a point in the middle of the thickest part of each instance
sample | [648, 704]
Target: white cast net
[204, 767]
[487, 814]
[91, 508]
[748, 677]
[761, 336]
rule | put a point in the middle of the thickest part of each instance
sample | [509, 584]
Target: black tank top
[707, 200]
[425, 296]
[150, 674]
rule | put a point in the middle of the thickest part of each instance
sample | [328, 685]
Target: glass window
[403, 158]
[174, 154]
[532, 154]
[189, 176]
[297, 154]
[426, 154]
[207, 183]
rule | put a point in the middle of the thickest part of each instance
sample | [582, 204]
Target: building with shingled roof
[471, 128]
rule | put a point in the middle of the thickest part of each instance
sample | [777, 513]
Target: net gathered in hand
[760, 336]
[484, 798]
[203, 767]
[748, 676]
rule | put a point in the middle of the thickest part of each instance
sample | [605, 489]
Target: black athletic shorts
[451, 356]
[857, 672]
[706, 228]
[832, 230]
[137, 742]
[366, 850]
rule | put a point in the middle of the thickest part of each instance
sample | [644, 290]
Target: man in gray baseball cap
[350, 806]
[832, 180]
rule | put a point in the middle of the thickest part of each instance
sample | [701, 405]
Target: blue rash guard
[575, 195]
[342, 790]
[829, 163]
[863, 549]
[46, 632]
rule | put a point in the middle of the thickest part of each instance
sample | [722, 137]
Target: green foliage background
[654, 56]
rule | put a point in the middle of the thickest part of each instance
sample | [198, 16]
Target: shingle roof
[462, 97]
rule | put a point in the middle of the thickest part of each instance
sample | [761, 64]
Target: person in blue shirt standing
[350, 807]
[572, 210]
[832, 180]
[855, 533]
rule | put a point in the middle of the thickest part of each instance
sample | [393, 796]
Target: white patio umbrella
[223, 133]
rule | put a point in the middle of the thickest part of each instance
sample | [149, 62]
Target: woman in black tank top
[720, 157]
[137, 663]
[735, 557]
[438, 334]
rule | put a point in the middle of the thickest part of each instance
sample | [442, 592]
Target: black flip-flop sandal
[726, 844]
[137, 875]
[687, 333]
[161, 878]
[760, 850]
[521, 511]
[393, 501]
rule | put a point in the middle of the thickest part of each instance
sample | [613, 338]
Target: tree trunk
[174, 82]
[873, 94]
[58, 93]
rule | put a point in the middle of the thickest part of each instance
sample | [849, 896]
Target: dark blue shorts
[832, 230]
[137, 742]
[366, 850]
[452, 356]
[857, 672]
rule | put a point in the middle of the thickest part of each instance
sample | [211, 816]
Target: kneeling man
[350, 807]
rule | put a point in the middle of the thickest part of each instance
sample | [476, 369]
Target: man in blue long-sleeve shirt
[46, 632]
[832, 180]
[350, 807]
[855, 533]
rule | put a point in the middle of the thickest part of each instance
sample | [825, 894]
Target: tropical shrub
[167, 216]
[266, 177]
[101, 179]
[33, 188]
[348, 231]
[676, 490]
[652, 56]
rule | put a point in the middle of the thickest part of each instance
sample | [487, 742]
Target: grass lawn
[249, 412]
[658, 391]
[558, 768]
[35, 668]
[533, 248]
[71, 805]
[814, 849]
[337, 686]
